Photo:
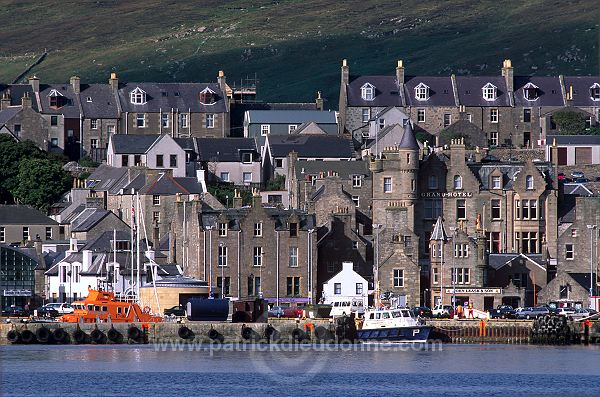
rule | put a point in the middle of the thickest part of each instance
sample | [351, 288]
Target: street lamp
[377, 227]
[222, 265]
[453, 272]
[425, 296]
[591, 228]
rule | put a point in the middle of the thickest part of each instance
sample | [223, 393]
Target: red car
[292, 312]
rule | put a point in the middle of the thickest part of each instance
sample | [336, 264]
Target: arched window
[529, 182]
[458, 182]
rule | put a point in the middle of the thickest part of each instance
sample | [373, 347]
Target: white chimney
[73, 245]
[201, 180]
[87, 260]
[347, 266]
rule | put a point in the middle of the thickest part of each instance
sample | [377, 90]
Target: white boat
[393, 325]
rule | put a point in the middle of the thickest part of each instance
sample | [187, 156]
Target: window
[137, 96]
[254, 285]
[595, 92]
[225, 288]
[494, 242]
[356, 200]
[293, 262]
[2, 234]
[140, 120]
[93, 143]
[293, 229]
[530, 92]
[183, 120]
[493, 115]
[293, 286]
[48, 233]
[366, 115]
[247, 177]
[207, 96]
[569, 255]
[225, 176]
[420, 115]
[247, 158]
[173, 161]
[265, 129]
[278, 163]
[496, 182]
[156, 216]
[292, 128]
[527, 242]
[432, 182]
[367, 92]
[489, 92]
[124, 160]
[337, 288]
[258, 229]
[159, 160]
[527, 115]
[421, 92]
[155, 199]
[458, 182]
[53, 120]
[25, 233]
[387, 184]
[355, 245]
[529, 182]
[398, 278]
[461, 250]
[461, 209]
[357, 180]
[258, 256]
[436, 250]
[493, 138]
[447, 119]
[573, 232]
[330, 267]
[461, 275]
[111, 129]
[210, 120]
[222, 229]
[222, 256]
[495, 209]
[433, 208]
[470, 117]
[164, 120]
[436, 275]
[359, 288]
[94, 124]
[381, 124]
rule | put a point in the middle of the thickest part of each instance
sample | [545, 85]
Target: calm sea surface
[446, 370]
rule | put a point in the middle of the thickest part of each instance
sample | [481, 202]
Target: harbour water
[444, 370]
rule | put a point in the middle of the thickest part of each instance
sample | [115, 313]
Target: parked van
[347, 306]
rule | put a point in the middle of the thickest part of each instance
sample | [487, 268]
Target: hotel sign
[474, 290]
[17, 292]
[447, 194]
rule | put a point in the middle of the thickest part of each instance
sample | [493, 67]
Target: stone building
[20, 223]
[249, 251]
[22, 122]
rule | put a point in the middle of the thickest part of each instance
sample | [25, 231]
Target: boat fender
[246, 332]
[185, 333]
[113, 335]
[28, 337]
[97, 336]
[134, 332]
[298, 335]
[269, 331]
[213, 334]
[43, 334]
[13, 336]
[79, 336]
[59, 335]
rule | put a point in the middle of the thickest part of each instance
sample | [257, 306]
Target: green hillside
[293, 47]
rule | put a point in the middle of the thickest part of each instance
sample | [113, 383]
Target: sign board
[16, 292]
[474, 291]
[447, 194]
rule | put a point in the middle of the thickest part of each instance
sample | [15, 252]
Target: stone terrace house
[91, 222]
[20, 223]
[233, 160]
[249, 251]
[22, 122]
[571, 288]
[177, 109]
[509, 109]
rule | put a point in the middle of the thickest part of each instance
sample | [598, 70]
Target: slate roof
[549, 91]
[408, 141]
[103, 104]
[441, 92]
[581, 89]
[23, 215]
[474, 136]
[291, 116]
[69, 110]
[133, 144]
[439, 232]
[225, 149]
[164, 184]
[470, 92]
[311, 146]
[583, 279]
[166, 96]
[482, 172]
[309, 128]
[105, 177]
[16, 93]
[87, 219]
[396, 130]
[574, 139]
[577, 189]
[343, 168]
[280, 216]
[386, 91]
[567, 209]
[8, 113]
[497, 261]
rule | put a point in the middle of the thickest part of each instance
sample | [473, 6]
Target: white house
[346, 284]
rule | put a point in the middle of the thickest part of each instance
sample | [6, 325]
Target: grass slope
[294, 47]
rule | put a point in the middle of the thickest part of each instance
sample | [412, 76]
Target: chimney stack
[400, 74]
[237, 199]
[113, 81]
[319, 101]
[569, 95]
[5, 101]
[35, 84]
[256, 198]
[76, 84]
[26, 101]
[345, 72]
[509, 75]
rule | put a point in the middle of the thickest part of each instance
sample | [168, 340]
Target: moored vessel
[393, 325]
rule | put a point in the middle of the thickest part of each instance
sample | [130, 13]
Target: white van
[347, 306]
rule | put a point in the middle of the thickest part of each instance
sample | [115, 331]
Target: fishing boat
[393, 325]
[100, 306]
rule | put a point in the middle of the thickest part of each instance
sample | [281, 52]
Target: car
[276, 311]
[582, 180]
[528, 313]
[177, 311]
[503, 311]
[14, 311]
[292, 312]
[443, 311]
[577, 174]
[61, 308]
[565, 311]
[582, 313]
[421, 311]
[47, 311]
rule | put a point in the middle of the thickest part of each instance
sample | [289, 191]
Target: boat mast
[114, 258]
[137, 279]
[131, 248]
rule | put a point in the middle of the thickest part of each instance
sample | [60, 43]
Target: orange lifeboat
[99, 306]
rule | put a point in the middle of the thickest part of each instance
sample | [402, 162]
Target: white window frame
[461, 250]
[292, 128]
[265, 129]
[367, 92]
[140, 117]
[387, 184]
[164, 120]
[489, 92]
[421, 92]
[222, 256]
[529, 183]
[494, 138]
[210, 120]
[499, 207]
[258, 229]
[457, 182]
[398, 277]
[366, 115]
[496, 182]
[94, 143]
[155, 199]
[183, 120]
[595, 92]
[421, 115]
[293, 258]
[223, 227]
[224, 176]
[245, 179]
[381, 124]
[257, 258]
[356, 200]
[94, 124]
[494, 115]
[569, 252]
[357, 180]
[137, 96]
[247, 158]
[526, 89]
[449, 115]
[2, 234]
[435, 275]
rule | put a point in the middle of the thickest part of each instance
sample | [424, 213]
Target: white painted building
[346, 284]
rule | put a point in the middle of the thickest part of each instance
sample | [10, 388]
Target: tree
[11, 154]
[570, 122]
[40, 182]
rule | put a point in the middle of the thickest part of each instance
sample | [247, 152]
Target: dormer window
[490, 92]
[207, 96]
[367, 92]
[422, 92]
[56, 99]
[595, 92]
[89, 99]
[137, 96]
[530, 92]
